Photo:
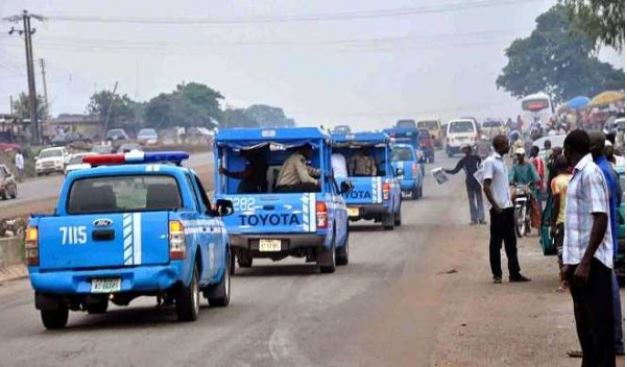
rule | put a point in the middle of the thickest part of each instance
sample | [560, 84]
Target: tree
[190, 104]
[125, 113]
[559, 59]
[602, 20]
[268, 116]
[237, 117]
[21, 107]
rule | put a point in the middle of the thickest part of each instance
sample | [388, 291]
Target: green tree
[21, 107]
[602, 20]
[237, 117]
[190, 104]
[125, 113]
[559, 59]
[268, 116]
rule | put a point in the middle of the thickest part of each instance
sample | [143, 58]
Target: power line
[352, 15]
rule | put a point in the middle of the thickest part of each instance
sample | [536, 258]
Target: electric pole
[106, 121]
[43, 77]
[27, 31]
[11, 104]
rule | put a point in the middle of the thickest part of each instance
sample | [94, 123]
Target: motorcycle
[522, 209]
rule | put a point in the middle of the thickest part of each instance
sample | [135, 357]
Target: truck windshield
[402, 154]
[109, 194]
[461, 127]
[51, 153]
[431, 125]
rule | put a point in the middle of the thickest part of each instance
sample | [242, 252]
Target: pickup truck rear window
[109, 194]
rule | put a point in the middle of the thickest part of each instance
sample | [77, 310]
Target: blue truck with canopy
[376, 196]
[409, 170]
[269, 222]
[132, 225]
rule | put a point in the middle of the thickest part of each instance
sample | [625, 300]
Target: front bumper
[289, 241]
[52, 169]
[134, 279]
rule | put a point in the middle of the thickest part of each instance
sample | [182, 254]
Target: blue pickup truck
[376, 196]
[133, 225]
[409, 170]
[276, 222]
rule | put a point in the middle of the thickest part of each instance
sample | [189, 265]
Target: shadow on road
[279, 270]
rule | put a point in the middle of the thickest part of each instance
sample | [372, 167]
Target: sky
[364, 63]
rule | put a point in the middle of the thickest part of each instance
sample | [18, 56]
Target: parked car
[116, 134]
[135, 227]
[51, 160]
[76, 162]
[147, 137]
[102, 149]
[128, 147]
[68, 138]
[8, 183]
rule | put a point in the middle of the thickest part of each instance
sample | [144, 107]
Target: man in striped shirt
[588, 252]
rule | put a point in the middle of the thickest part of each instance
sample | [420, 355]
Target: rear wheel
[244, 260]
[219, 295]
[55, 319]
[519, 221]
[13, 194]
[388, 221]
[414, 193]
[326, 258]
[341, 253]
[188, 300]
[398, 217]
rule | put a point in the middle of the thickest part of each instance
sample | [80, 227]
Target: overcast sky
[422, 59]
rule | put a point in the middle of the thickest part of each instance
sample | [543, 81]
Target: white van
[460, 132]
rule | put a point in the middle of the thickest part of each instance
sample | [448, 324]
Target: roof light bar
[136, 157]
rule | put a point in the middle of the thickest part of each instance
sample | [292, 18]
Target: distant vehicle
[556, 141]
[8, 183]
[435, 129]
[408, 170]
[342, 129]
[406, 124]
[147, 137]
[68, 138]
[537, 105]
[128, 147]
[460, 132]
[116, 134]
[76, 162]
[492, 128]
[426, 145]
[102, 149]
[134, 227]
[51, 160]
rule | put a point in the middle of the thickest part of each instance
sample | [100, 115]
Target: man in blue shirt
[597, 146]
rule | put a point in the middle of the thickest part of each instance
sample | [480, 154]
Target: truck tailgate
[366, 190]
[103, 240]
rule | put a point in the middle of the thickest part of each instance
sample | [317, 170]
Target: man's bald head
[597, 143]
[500, 144]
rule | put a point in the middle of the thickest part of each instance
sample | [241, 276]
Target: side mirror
[345, 187]
[400, 172]
[224, 207]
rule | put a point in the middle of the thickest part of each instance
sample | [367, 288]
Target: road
[48, 187]
[420, 295]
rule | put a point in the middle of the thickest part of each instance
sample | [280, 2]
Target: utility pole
[11, 104]
[43, 77]
[27, 31]
[106, 121]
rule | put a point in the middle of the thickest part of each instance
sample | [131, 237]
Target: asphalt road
[48, 187]
[381, 309]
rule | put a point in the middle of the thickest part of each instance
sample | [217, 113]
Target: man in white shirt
[338, 162]
[19, 164]
[502, 227]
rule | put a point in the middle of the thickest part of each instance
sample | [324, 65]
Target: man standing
[588, 253]
[496, 189]
[19, 164]
[597, 145]
[470, 163]
[559, 188]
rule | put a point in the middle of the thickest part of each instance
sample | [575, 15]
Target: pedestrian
[538, 163]
[597, 149]
[559, 186]
[555, 152]
[253, 177]
[470, 163]
[496, 189]
[588, 253]
[19, 165]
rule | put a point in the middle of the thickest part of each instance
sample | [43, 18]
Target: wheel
[3, 195]
[244, 260]
[519, 220]
[414, 193]
[419, 192]
[55, 319]
[188, 299]
[13, 195]
[326, 258]
[398, 217]
[219, 295]
[100, 307]
[388, 221]
[232, 263]
[341, 253]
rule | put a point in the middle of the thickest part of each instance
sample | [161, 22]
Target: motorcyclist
[523, 172]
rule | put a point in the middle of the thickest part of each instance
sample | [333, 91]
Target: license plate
[353, 212]
[266, 245]
[108, 285]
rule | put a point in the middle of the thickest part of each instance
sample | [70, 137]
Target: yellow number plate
[269, 245]
[353, 212]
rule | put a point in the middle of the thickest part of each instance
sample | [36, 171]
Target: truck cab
[408, 169]
[270, 222]
[376, 196]
[132, 225]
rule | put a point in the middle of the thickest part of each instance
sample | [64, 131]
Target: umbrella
[607, 97]
[578, 102]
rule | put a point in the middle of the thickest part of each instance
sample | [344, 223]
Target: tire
[414, 193]
[326, 258]
[14, 194]
[420, 192]
[244, 260]
[388, 221]
[219, 295]
[55, 319]
[398, 217]
[188, 300]
[232, 263]
[97, 308]
[519, 222]
[341, 253]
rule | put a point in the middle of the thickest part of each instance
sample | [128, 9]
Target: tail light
[178, 248]
[386, 191]
[31, 246]
[321, 215]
